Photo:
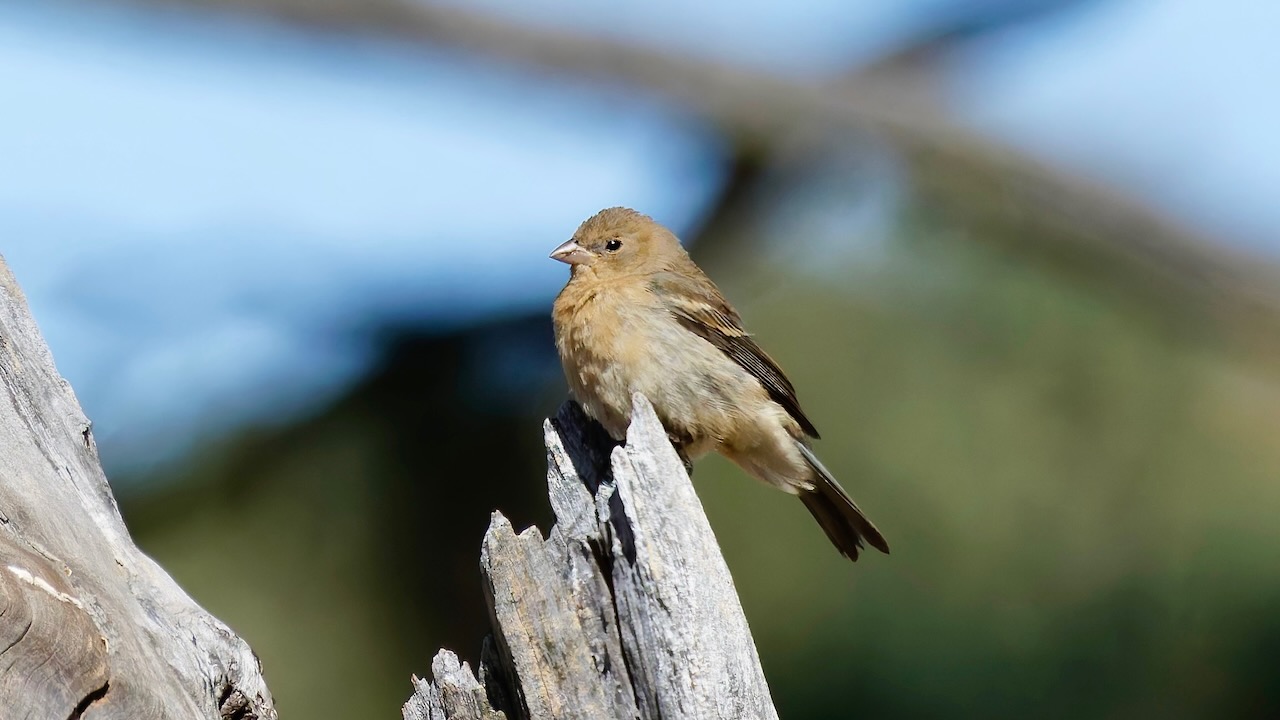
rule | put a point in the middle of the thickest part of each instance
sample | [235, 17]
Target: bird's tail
[837, 513]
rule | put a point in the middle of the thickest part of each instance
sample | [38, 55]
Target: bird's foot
[684, 457]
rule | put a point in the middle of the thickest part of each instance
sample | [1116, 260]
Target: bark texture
[626, 609]
[90, 627]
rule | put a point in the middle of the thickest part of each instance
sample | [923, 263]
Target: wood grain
[90, 627]
[625, 609]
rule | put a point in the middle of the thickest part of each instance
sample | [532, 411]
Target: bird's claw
[684, 457]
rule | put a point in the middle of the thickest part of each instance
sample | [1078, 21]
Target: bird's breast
[601, 348]
[615, 344]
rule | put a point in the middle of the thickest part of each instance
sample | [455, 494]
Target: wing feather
[702, 310]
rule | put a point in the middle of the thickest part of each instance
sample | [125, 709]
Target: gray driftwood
[90, 627]
[625, 610]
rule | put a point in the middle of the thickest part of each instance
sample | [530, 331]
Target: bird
[638, 315]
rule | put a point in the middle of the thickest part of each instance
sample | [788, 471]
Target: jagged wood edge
[625, 609]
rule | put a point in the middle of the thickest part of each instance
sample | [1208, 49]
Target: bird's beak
[571, 253]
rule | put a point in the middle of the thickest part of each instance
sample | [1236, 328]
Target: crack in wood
[625, 609]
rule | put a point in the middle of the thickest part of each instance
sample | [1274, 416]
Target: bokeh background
[1018, 257]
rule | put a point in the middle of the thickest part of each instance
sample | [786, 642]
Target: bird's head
[621, 241]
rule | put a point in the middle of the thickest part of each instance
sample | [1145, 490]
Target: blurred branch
[914, 70]
[88, 623]
[983, 184]
[625, 610]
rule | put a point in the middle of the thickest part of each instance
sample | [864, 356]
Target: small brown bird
[637, 315]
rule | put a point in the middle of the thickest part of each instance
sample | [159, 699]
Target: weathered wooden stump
[625, 610]
[90, 627]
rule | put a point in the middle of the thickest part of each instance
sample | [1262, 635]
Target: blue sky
[205, 220]
[207, 215]
[1176, 101]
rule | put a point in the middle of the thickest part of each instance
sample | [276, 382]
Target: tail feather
[837, 513]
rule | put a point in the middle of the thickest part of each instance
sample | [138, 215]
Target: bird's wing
[701, 309]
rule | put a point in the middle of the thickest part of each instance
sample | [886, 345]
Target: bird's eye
[613, 245]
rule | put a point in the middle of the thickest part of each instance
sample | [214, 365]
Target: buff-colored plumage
[637, 315]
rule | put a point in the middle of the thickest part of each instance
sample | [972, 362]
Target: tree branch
[1038, 209]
